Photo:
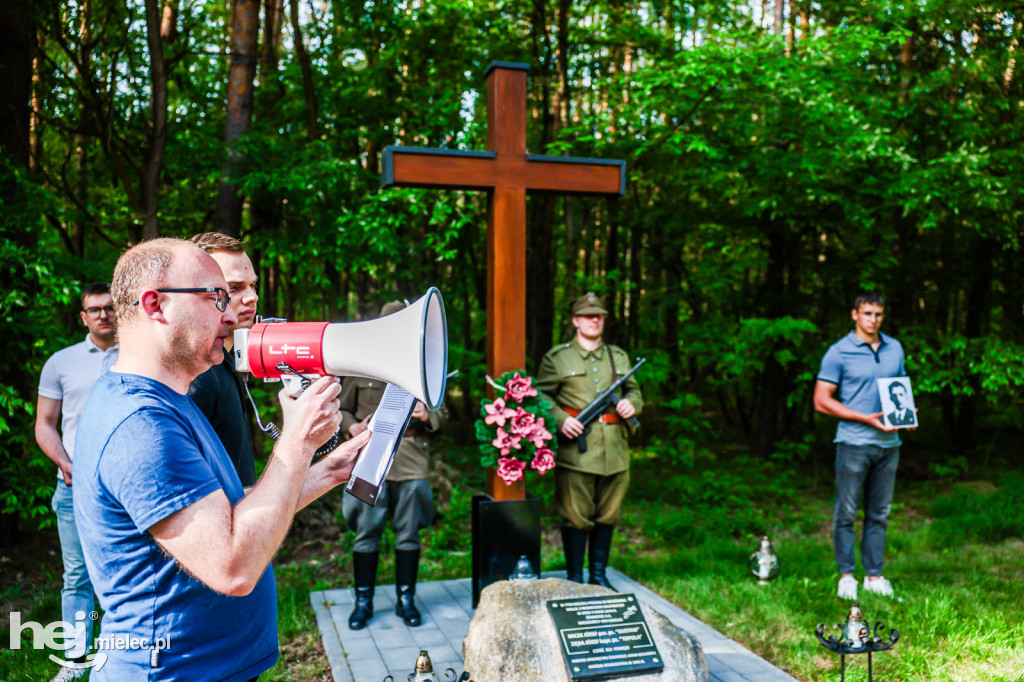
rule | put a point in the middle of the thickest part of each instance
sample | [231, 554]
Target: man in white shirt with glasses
[64, 387]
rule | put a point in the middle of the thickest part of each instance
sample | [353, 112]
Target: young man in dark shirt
[218, 391]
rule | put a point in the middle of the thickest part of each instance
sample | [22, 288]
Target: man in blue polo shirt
[867, 451]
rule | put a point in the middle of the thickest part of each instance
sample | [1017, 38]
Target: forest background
[781, 156]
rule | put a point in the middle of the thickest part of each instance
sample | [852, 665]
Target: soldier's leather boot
[600, 549]
[364, 570]
[574, 544]
[407, 564]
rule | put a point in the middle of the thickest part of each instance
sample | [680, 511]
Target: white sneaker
[847, 587]
[69, 674]
[879, 586]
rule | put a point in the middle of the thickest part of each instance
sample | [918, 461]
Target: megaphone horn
[408, 348]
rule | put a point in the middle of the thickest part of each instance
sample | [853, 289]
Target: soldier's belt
[606, 418]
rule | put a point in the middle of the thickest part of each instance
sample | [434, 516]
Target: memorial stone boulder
[512, 637]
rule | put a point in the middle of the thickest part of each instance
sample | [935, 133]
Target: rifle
[607, 399]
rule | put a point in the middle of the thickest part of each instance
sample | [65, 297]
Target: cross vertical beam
[506, 110]
[506, 223]
[507, 173]
[506, 280]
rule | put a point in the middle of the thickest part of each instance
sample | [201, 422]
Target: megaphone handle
[295, 383]
[275, 432]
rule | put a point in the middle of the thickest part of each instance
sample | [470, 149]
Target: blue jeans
[867, 471]
[76, 596]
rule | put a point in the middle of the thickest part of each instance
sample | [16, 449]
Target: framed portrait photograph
[897, 402]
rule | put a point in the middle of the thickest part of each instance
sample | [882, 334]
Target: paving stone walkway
[388, 647]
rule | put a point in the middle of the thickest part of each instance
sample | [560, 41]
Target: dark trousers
[412, 509]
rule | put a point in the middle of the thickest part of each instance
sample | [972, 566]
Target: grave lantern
[424, 672]
[855, 630]
[523, 570]
[855, 637]
[763, 563]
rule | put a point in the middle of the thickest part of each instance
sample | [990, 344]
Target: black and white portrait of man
[897, 402]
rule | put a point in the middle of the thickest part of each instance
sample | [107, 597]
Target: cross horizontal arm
[438, 168]
[576, 175]
[452, 169]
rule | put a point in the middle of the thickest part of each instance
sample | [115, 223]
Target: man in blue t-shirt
[867, 451]
[179, 553]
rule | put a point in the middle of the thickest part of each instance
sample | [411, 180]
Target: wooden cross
[507, 173]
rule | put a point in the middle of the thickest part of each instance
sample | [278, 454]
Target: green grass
[959, 618]
[955, 556]
[31, 579]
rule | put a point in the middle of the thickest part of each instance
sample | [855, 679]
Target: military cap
[588, 304]
[392, 307]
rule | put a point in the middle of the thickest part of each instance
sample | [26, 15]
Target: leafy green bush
[451, 531]
[39, 288]
[958, 366]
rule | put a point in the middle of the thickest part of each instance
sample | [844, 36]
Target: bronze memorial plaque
[604, 637]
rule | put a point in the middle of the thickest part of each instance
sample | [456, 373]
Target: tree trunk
[539, 292]
[312, 111]
[906, 60]
[267, 207]
[273, 19]
[154, 161]
[35, 140]
[169, 22]
[80, 186]
[245, 26]
[540, 237]
[975, 330]
[563, 97]
[636, 248]
[612, 273]
[16, 53]
[791, 34]
[771, 384]
[372, 147]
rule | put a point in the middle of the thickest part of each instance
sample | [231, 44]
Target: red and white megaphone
[408, 348]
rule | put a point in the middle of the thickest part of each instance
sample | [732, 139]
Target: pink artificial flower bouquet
[512, 429]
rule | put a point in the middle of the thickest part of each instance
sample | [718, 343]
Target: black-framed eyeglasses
[222, 296]
[94, 311]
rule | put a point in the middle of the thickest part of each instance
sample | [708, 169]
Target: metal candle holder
[764, 563]
[424, 672]
[855, 638]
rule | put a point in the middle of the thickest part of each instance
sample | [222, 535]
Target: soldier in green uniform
[405, 494]
[589, 486]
